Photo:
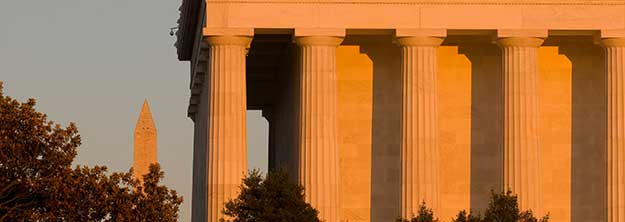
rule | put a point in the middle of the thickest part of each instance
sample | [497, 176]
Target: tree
[471, 217]
[425, 214]
[274, 198]
[503, 207]
[38, 183]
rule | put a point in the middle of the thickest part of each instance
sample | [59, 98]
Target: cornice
[430, 2]
[188, 22]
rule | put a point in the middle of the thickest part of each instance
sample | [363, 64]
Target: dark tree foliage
[503, 207]
[425, 214]
[38, 183]
[470, 217]
[274, 198]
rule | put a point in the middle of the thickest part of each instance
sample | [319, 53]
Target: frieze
[430, 2]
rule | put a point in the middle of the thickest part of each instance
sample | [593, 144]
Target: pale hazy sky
[93, 62]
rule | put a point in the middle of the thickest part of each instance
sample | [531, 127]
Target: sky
[93, 62]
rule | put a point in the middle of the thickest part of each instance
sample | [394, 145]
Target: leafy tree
[273, 198]
[425, 215]
[503, 207]
[38, 183]
[463, 217]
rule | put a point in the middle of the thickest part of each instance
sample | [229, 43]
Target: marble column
[419, 125]
[199, 198]
[521, 137]
[227, 144]
[615, 71]
[318, 123]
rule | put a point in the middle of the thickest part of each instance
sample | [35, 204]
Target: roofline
[187, 28]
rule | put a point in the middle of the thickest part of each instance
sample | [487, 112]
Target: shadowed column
[318, 123]
[521, 144]
[227, 144]
[419, 129]
[615, 75]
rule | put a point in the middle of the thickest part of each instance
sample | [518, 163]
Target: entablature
[440, 18]
[417, 14]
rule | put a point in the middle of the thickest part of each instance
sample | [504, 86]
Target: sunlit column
[419, 125]
[521, 137]
[318, 123]
[227, 144]
[615, 76]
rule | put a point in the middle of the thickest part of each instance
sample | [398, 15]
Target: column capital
[442, 33]
[535, 33]
[212, 31]
[419, 41]
[319, 40]
[613, 42]
[612, 33]
[228, 40]
[521, 41]
[303, 32]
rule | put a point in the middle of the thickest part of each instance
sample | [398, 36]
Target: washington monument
[145, 149]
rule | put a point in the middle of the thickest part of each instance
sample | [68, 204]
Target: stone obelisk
[145, 142]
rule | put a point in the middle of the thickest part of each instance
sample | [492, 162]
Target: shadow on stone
[588, 177]
[386, 128]
[486, 120]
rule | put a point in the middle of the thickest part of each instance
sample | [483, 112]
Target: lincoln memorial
[375, 106]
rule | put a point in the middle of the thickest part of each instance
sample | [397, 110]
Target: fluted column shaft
[615, 71]
[227, 144]
[199, 193]
[521, 144]
[419, 125]
[317, 128]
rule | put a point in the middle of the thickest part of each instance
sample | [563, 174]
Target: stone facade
[145, 149]
[376, 106]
